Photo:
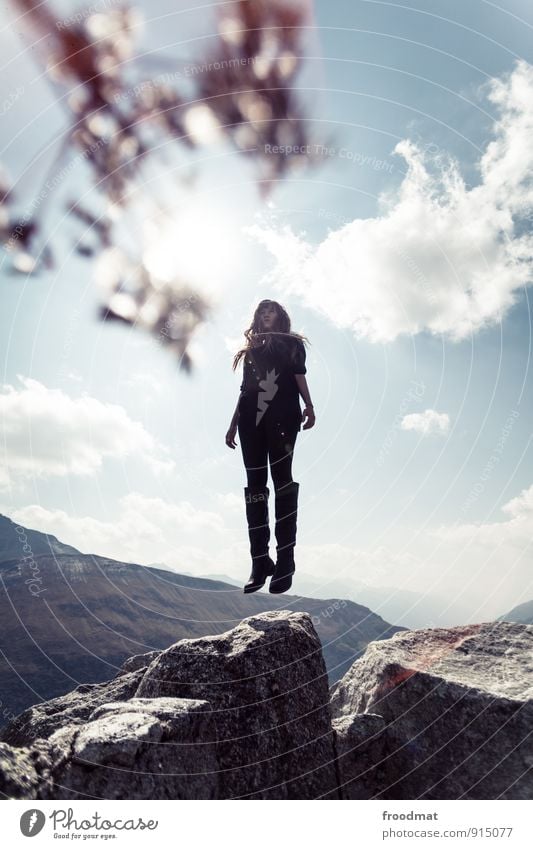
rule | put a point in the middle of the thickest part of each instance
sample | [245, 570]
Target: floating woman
[268, 418]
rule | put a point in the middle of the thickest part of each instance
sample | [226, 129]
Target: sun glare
[199, 247]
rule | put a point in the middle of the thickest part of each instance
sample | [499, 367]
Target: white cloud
[520, 509]
[515, 531]
[231, 502]
[45, 432]
[441, 256]
[146, 530]
[427, 422]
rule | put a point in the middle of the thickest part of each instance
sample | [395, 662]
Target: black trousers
[270, 441]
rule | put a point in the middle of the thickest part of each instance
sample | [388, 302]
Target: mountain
[17, 542]
[226, 579]
[522, 613]
[68, 618]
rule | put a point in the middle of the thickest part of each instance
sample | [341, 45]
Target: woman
[268, 418]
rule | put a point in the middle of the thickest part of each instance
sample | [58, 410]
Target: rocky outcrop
[458, 711]
[430, 714]
[41, 720]
[19, 778]
[139, 749]
[244, 714]
[138, 661]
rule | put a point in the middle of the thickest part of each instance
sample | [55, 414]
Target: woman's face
[268, 317]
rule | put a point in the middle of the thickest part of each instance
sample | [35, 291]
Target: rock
[43, 719]
[458, 705]
[139, 749]
[361, 754]
[267, 686]
[18, 777]
[138, 661]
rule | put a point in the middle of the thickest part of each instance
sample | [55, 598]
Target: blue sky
[409, 271]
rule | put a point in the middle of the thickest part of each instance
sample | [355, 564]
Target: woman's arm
[309, 412]
[232, 430]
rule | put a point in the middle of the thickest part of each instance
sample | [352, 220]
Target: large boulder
[267, 686]
[139, 749]
[457, 705]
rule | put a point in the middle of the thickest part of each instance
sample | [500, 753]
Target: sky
[404, 255]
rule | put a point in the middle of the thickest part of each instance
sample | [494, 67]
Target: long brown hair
[253, 334]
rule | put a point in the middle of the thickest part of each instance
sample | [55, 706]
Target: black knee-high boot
[259, 535]
[286, 507]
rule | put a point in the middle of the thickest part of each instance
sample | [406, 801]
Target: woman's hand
[309, 414]
[230, 436]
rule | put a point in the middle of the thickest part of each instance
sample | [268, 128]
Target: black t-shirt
[268, 376]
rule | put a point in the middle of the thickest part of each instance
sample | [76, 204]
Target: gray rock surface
[458, 708]
[267, 686]
[139, 749]
[138, 661]
[43, 719]
[361, 743]
[18, 777]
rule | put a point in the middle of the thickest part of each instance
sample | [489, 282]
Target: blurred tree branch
[242, 92]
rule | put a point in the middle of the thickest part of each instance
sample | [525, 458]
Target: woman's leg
[255, 455]
[281, 438]
[254, 448]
